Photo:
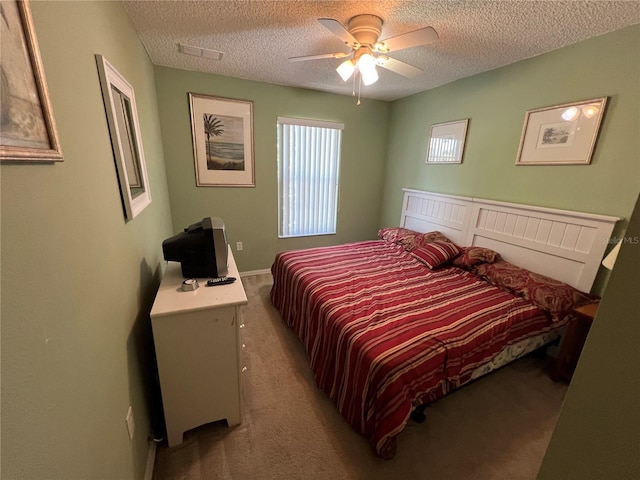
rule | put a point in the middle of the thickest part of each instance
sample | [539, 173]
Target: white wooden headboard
[561, 244]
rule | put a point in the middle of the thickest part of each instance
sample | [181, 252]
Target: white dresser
[197, 341]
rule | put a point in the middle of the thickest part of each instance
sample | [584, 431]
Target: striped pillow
[436, 253]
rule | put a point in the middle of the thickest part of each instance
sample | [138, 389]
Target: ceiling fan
[362, 35]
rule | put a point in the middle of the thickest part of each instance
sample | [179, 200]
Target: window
[308, 166]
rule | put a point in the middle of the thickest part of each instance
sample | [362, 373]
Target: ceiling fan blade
[407, 40]
[340, 31]
[320, 56]
[398, 67]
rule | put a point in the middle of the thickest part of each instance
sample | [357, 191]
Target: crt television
[201, 249]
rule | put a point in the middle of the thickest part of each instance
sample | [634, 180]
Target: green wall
[496, 103]
[251, 214]
[77, 281]
[598, 432]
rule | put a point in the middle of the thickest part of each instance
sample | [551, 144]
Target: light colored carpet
[496, 428]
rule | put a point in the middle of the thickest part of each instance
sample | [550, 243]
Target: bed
[460, 288]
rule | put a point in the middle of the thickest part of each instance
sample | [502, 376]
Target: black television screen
[201, 249]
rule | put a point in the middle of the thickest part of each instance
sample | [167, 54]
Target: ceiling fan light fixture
[369, 77]
[346, 69]
[362, 36]
[367, 67]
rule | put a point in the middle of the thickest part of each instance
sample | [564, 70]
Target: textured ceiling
[258, 37]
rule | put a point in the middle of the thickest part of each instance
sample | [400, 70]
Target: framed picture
[27, 128]
[126, 142]
[561, 135]
[222, 130]
[446, 142]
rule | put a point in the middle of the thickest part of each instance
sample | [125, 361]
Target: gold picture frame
[561, 134]
[27, 127]
[222, 130]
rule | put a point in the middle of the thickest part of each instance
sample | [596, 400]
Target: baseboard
[255, 272]
[151, 461]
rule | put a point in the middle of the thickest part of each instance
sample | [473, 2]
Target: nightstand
[573, 342]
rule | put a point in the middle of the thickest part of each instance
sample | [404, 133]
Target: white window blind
[308, 167]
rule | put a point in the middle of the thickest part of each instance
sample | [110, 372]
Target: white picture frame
[126, 141]
[561, 134]
[446, 142]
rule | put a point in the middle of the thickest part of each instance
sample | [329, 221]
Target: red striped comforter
[384, 333]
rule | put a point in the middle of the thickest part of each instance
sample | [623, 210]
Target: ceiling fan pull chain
[359, 88]
[353, 84]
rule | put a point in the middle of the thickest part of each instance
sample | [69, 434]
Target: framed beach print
[562, 134]
[27, 128]
[222, 130]
[446, 142]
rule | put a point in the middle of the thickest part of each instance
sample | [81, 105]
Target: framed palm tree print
[222, 131]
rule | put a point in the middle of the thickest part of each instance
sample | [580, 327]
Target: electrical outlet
[131, 424]
[239, 246]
